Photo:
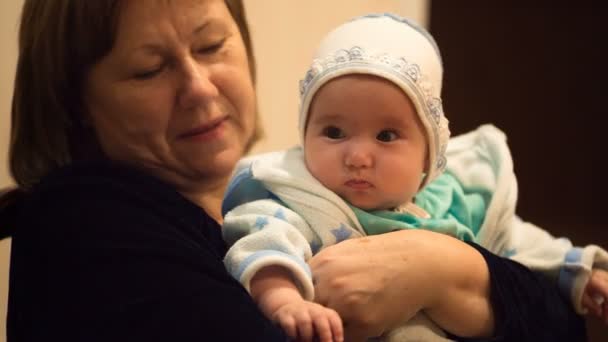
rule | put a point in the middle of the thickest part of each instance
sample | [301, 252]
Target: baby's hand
[303, 320]
[595, 298]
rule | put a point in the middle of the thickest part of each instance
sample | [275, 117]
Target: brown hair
[237, 10]
[59, 41]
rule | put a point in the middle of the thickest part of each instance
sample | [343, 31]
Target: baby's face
[365, 142]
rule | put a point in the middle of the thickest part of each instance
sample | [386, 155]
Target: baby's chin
[370, 205]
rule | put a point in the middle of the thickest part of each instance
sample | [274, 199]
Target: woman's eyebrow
[156, 48]
[201, 27]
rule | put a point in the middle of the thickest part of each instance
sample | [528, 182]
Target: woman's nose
[197, 85]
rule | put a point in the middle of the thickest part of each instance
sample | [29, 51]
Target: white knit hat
[393, 48]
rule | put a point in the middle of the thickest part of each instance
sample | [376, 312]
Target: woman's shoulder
[101, 200]
[101, 176]
[95, 181]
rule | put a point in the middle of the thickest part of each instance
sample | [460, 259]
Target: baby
[373, 155]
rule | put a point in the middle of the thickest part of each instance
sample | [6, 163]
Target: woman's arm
[528, 306]
[377, 283]
[462, 285]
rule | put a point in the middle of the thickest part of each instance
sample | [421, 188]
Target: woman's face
[174, 96]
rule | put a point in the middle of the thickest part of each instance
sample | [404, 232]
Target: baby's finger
[305, 329]
[336, 326]
[354, 334]
[598, 299]
[604, 309]
[322, 328]
[288, 323]
[601, 285]
[599, 281]
[591, 305]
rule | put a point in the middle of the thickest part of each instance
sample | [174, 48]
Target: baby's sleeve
[568, 265]
[576, 270]
[263, 233]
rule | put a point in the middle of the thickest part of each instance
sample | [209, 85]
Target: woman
[164, 90]
[128, 117]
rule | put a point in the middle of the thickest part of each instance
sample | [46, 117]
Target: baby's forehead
[363, 118]
[370, 96]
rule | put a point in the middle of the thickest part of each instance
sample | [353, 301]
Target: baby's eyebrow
[328, 117]
[400, 122]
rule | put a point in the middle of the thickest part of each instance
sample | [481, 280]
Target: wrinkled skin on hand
[378, 283]
[362, 279]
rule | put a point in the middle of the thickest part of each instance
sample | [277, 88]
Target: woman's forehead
[184, 17]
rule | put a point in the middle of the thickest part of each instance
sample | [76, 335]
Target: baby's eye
[386, 136]
[333, 132]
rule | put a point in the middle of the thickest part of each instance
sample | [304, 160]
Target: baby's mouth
[359, 184]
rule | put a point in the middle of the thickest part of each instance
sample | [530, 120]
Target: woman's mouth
[206, 132]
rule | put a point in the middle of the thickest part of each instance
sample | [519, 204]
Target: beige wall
[9, 10]
[285, 33]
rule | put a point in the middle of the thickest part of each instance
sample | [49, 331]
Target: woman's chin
[220, 164]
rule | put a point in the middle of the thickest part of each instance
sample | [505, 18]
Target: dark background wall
[537, 70]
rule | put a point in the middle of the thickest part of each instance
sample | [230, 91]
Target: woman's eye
[333, 132]
[212, 48]
[148, 74]
[386, 136]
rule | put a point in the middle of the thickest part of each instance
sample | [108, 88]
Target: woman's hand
[377, 283]
[371, 282]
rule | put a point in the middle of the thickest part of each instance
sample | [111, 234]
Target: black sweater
[105, 253]
[102, 252]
